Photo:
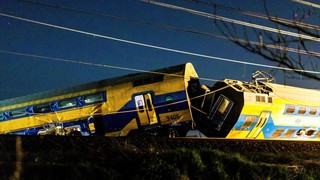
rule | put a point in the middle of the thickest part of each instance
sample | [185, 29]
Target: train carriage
[263, 110]
[144, 103]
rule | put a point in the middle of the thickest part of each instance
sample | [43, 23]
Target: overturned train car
[260, 110]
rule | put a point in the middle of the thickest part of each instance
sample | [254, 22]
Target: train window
[68, 103]
[220, 111]
[248, 122]
[313, 111]
[169, 99]
[94, 98]
[290, 109]
[223, 106]
[310, 132]
[301, 132]
[140, 105]
[260, 98]
[302, 110]
[18, 112]
[277, 133]
[43, 108]
[269, 99]
[1, 116]
[289, 133]
[149, 105]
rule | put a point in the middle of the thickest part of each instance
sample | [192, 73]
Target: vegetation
[290, 45]
[179, 163]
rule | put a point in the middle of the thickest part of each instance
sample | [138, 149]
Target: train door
[263, 118]
[220, 111]
[145, 109]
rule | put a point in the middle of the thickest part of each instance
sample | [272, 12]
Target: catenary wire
[96, 64]
[154, 46]
[257, 15]
[221, 18]
[307, 3]
[311, 53]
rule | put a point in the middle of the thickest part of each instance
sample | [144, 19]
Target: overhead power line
[307, 3]
[234, 21]
[156, 47]
[257, 15]
[164, 26]
[94, 64]
[113, 67]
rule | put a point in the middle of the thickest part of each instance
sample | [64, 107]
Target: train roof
[290, 93]
[183, 70]
[296, 94]
[253, 87]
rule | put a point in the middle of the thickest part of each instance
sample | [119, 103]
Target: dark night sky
[130, 20]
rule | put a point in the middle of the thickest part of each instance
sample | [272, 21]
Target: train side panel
[153, 108]
[113, 107]
[282, 113]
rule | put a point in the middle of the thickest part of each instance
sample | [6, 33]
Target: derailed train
[169, 102]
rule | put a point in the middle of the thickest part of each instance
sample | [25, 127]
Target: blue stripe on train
[270, 128]
[116, 122]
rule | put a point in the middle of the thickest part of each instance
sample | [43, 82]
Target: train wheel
[172, 133]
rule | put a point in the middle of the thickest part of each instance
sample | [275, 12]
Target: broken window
[310, 132]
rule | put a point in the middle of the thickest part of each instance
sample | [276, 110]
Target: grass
[213, 164]
[117, 161]
[177, 164]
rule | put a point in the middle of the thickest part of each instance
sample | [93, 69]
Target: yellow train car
[262, 110]
[154, 103]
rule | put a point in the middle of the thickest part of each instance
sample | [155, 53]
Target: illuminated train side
[137, 104]
[261, 110]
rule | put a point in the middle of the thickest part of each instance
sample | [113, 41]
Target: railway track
[98, 144]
